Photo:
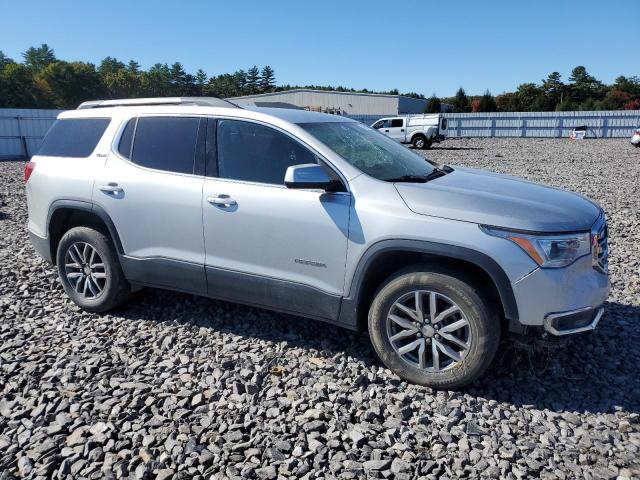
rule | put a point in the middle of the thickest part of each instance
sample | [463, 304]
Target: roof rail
[203, 101]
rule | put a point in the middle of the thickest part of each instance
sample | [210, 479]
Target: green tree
[253, 80]
[156, 82]
[72, 83]
[240, 83]
[38, 58]
[584, 86]
[507, 102]
[17, 87]
[461, 101]
[267, 79]
[487, 103]
[109, 66]
[225, 85]
[433, 105]
[4, 60]
[200, 80]
[526, 95]
[182, 83]
[122, 84]
[554, 89]
[133, 67]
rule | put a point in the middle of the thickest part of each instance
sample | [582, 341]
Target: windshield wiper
[435, 173]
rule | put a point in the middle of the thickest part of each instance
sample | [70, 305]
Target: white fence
[603, 124]
[22, 130]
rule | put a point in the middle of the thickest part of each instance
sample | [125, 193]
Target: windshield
[368, 150]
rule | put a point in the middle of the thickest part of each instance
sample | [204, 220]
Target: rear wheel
[89, 269]
[433, 329]
[420, 142]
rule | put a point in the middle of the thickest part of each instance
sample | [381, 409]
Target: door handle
[222, 200]
[110, 187]
[387, 130]
[402, 129]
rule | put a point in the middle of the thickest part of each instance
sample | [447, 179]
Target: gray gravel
[176, 386]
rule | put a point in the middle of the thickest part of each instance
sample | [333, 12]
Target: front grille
[600, 245]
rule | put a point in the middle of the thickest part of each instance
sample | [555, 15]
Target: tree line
[41, 80]
[582, 92]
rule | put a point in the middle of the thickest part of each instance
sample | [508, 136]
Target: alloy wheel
[428, 330]
[85, 271]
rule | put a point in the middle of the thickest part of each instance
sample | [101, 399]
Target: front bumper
[575, 321]
[562, 300]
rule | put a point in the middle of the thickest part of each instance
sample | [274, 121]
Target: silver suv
[318, 216]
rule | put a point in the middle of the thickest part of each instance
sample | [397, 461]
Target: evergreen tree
[433, 105]
[584, 86]
[253, 80]
[553, 88]
[240, 83]
[487, 103]
[38, 58]
[133, 67]
[110, 66]
[4, 60]
[461, 102]
[267, 79]
[200, 80]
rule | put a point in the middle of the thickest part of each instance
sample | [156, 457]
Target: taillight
[28, 170]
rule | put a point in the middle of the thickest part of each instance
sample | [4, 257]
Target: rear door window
[166, 143]
[396, 122]
[73, 137]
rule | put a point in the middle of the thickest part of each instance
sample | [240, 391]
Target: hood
[487, 198]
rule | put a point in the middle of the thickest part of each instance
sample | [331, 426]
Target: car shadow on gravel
[455, 148]
[595, 372]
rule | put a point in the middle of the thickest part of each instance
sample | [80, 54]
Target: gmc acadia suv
[318, 216]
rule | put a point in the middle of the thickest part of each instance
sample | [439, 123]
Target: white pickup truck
[419, 130]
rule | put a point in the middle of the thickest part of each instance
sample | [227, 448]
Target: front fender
[349, 308]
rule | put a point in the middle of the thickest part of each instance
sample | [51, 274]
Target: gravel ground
[176, 385]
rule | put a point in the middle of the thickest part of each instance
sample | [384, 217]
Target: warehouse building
[338, 103]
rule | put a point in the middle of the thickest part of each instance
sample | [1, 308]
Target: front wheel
[433, 329]
[89, 269]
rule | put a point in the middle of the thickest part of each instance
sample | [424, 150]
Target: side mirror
[311, 176]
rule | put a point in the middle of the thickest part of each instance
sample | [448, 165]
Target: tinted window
[166, 143]
[252, 152]
[73, 137]
[396, 123]
[124, 147]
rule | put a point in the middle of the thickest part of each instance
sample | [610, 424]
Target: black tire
[115, 288]
[483, 328]
[420, 142]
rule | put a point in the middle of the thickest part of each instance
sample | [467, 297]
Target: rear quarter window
[73, 137]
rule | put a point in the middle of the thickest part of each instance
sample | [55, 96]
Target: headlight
[552, 251]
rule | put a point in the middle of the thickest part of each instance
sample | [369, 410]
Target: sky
[420, 46]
